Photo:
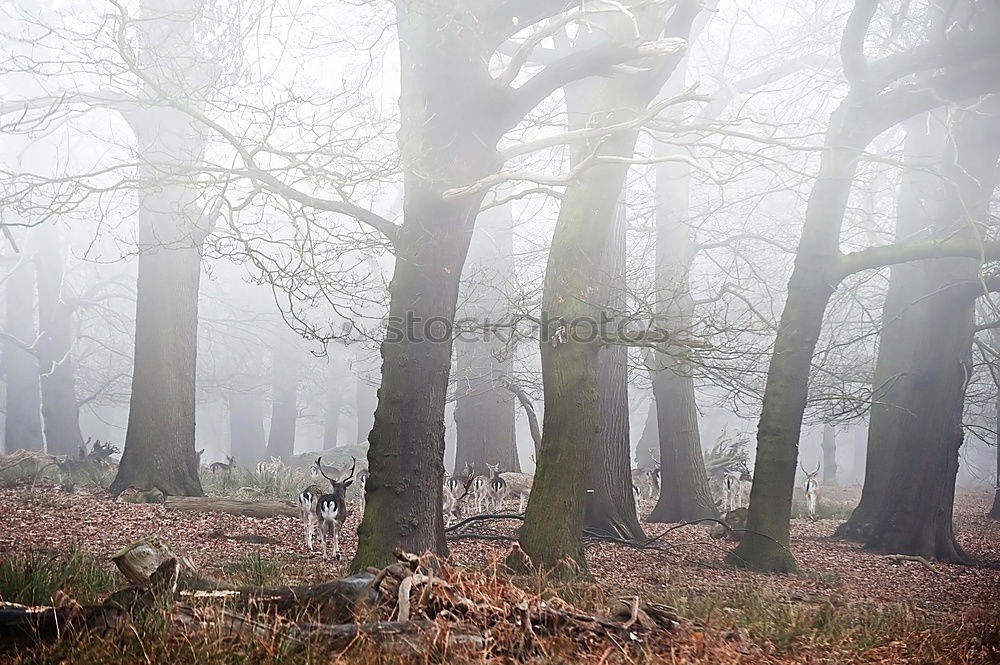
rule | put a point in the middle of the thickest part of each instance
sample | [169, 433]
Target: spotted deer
[518, 484]
[497, 489]
[223, 467]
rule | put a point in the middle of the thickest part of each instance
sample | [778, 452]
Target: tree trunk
[924, 145]
[649, 440]
[284, 400]
[446, 106]
[22, 425]
[572, 321]
[684, 489]
[765, 544]
[336, 372]
[160, 440]
[916, 516]
[829, 448]
[60, 409]
[610, 508]
[484, 408]
[246, 428]
[365, 398]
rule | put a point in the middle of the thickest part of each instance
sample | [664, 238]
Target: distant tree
[284, 397]
[829, 449]
[56, 338]
[22, 424]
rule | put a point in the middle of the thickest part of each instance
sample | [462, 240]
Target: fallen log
[21, 623]
[408, 636]
[212, 504]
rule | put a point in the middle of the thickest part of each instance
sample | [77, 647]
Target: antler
[319, 465]
[806, 472]
[354, 463]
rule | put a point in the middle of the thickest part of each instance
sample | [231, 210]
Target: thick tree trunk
[571, 335]
[160, 440]
[610, 508]
[246, 428]
[446, 108]
[484, 408]
[916, 516]
[60, 409]
[924, 145]
[284, 401]
[829, 448]
[22, 425]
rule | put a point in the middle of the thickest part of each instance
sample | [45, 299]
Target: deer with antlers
[331, 509]
[811, 487]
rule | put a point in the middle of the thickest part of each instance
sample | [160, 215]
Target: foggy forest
[499, 331]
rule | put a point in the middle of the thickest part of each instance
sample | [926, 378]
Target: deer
[653, 475]
[731, 490]
[270, 466]
[497, 488]
[811, 487]
[331, 509]
[451, 500]
[455, 483]
[316, 472]
[308, 500]
[223, 467]
[480, 490]
[518, 484]
[635, 498]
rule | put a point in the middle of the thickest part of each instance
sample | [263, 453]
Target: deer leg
[336, 542]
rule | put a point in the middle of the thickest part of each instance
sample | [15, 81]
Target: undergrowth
[32, 578]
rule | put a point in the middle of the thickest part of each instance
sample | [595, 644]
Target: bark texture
[573, 276]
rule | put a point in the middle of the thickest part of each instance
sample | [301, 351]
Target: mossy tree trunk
[453, 113]
[444, 103]
[573, 277]
[867, 111]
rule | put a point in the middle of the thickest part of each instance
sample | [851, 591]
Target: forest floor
[845, 605]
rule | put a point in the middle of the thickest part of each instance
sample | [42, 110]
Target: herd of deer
[327, 511]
